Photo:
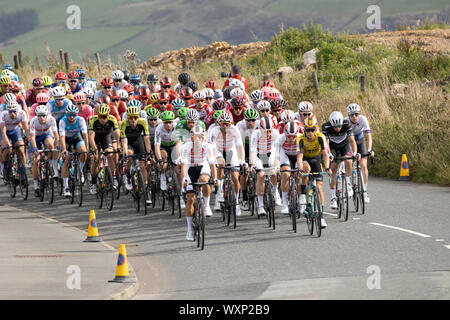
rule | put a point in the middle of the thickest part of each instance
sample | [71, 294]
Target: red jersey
[172, 95]
[207, 109]
[121, 108]
[236, 118]
[30, 96]
[280, 126]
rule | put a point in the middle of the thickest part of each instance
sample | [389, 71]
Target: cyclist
[14, 87]
[85, 110]
[43, 132]
[166, 83]
[361, 128]
[104, 132]
[312, 149]
[164, 102]
[227, 142]
[135, 81]
[209, 95]
[41, 99]
[144, 95]
[264, 111]
[237, 109]
[107, 84]
[137, 104]
[119, 99]
[286, 117]
[47, 82]
[217, 105]
[10, 122]
[264, 153]
[202, 108]
[57, 107]
[256, 96]
[165, 143]
[187, 94]
[81, 76]
[118, 79]
[73, 134]
[153, 121]
[246, 128]
[277, 107]
[60, 80]
[89, 93]
[235, 74]
[177, 104]
[182, 113]
[305, 110]
[134, 133]
[107, 100]
[197, 164]
[129, 88]
[214, 124]
[74, 84]
[31, 94]
[5, 80]
[340, 139]
[183, 78]
[152, 82]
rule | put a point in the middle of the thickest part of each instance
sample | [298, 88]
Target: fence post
[183, 62]
[362, 80]
[16, 63]
[20, 58]
[316, 83]
[61, 57]
[99, 66]
[66, 61]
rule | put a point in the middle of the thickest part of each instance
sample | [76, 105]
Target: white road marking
[331, 214]
[448, 247]
[356, 218]
[439, 240]
[401, 229]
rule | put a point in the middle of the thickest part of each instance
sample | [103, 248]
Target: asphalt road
[400, 249]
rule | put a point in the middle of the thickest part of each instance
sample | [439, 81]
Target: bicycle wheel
[339, 196]
[317, 213]
[200, 224]
[23, 181]
[142, 192]
[78, 185]
[109, 189]
[119, 180]
[99, 194]
[12, 180]
[49, 184]
[356, 194]
[272, 210]
[42, 180]
[267, 203]
[345, 198]
[361, 193]
[309, 218]
[293, 204]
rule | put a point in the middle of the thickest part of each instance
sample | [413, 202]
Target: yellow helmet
[154, 98]
[311, 123]
[103, 109]
[5, 80]
[132, 111]
[47, 81]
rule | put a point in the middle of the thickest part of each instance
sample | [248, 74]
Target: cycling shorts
[13, 136]
[315, 165]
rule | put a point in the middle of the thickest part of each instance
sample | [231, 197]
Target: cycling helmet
[126, 75]
[184, 78]
[257, 95]
[236, 92]
[103, 109]
[7, 67]
[47, 81]
[58, 92]
[353, 107]
[237, 102]
[41, 110]
[152, 77]
[274, 94]
[200, 94]
[225, 117]
[42, 98]
[182, 112]
[14, 85]
[129, 88]
[265, 124]
[211, 84]
[89, 92]
[12, 106]
[267, 83]
[263, 104]
[5, 80]
[217, 114]
[144, 92]
[251, 114]
[167, 116]
[72, 108]
[192, 115]
[104, 99]
[11, 97]
[81, 73]
[291, 128]
[38, 83]
[305, 106]
[135, 103]
[79, 97]
[218, 95]
[133, 111]
[117, 75]
[107, 82]
[310, 123]
[281, 104]
[235, 83]
[186, 93]
[60, 76]
[152, 113]
[177, 104]
[218, 105]
[163, 96]
[165, 81]
[123, 94]
[73, 75]
[209, 93]
[115, 93]
[226, 93]
[135, 79]
[90, 84]
[336, 119]
[154, 97]
[193, 85]
[287, 116]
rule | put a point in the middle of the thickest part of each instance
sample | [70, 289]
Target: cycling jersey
[200, 157]
[337, 139]
[126, 131]
[56, 112]
[38, 129]
[183, 132]
[226, 145]
[77, 88]
[202, 113]
[69, 130]
[288, 150]
[236, 118]
[360, 127]
[311, 149]
[110, 125]
[163, 137]
[264, 147]
[86, 112]
[152, 130]
[30, 96]
[12, 124]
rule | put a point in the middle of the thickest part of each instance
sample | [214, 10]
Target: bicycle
[198, 219]
[105, 183]
[293, 197]
[16, 173]
[154, 186]
[341, 187]
[251, 191]
[172, 194]
[269, 197]
[139, 188]
[75, 180]
[358, 185]
[45, 176]
[313, 210]
[228, 207]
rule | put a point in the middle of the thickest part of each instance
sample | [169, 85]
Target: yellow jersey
[311, 149]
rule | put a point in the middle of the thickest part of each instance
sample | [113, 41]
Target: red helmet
[38, 83]
[42, 98]
[60, 76]
[79, 97]
[186, 93]
[144, 92]
[277, 103]
[128, 88]
[163, 96]
[266, 123]
[274, 94]
[115, 93]
[219, 105]
[165, 81]
[104, 99]
[267, 83]
[14, 85]
[107, 82]
[73, 75]
[211, 84]
[237, 102]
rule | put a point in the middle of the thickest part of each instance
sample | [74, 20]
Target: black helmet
[193, 85]
[226, 93]
[152, 77]
[126, 75]
[184, 78]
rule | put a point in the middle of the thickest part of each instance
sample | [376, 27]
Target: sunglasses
[71, 115]
[153, 119]
[117, 80]
[307, 114]
[41, 115]
[133, 117]
[151, 82]
[166, 87]
[80, 103]
[39, 88]
[237, 108]
[354, 114]
[209, 98]
[59, 99]
[103, 117]
[115, 100]
[276, 110]
[291, 136]
[162, 102]
[310, 130]
[250, 120]
[265, 110]
[106, 87]
[168, 122]
[200, 100]
[12, 111]
[73, 81]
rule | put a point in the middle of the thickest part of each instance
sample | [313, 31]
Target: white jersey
[11, 124]
[208, 132]
[200, 157]
[164, 137]
[39, 129]
[229, 142]
[246, 133]
[264, 143]
[360, 127]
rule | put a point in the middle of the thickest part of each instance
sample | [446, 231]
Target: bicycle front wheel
[361, 193]
[293, 205]
[345, 198]
[109, 189]
[317, 214]
[142, 192]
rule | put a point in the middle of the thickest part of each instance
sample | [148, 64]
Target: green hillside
[151, 27]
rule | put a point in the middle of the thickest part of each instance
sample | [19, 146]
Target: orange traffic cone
[404, 169]
[92, 229]
[122, 274]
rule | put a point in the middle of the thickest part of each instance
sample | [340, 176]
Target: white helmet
[257, 95]
[12, 106]
[199, 94]
[8, 73]
[117, 75]
[266, 123]
[123, 94]
[192, 115]
[90, 84]
[58, 91]
[236, 92]
[305, 106]
[263, 104]
[89, 92]
[336, 119]
[209, 93]
[353, 107]
[10, 97]
[41, 110]
[235, 83]
[287, 115]
[225, 117]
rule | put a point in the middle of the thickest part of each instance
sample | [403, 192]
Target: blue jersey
[72, 130]
[58, 113]
[78, 88]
